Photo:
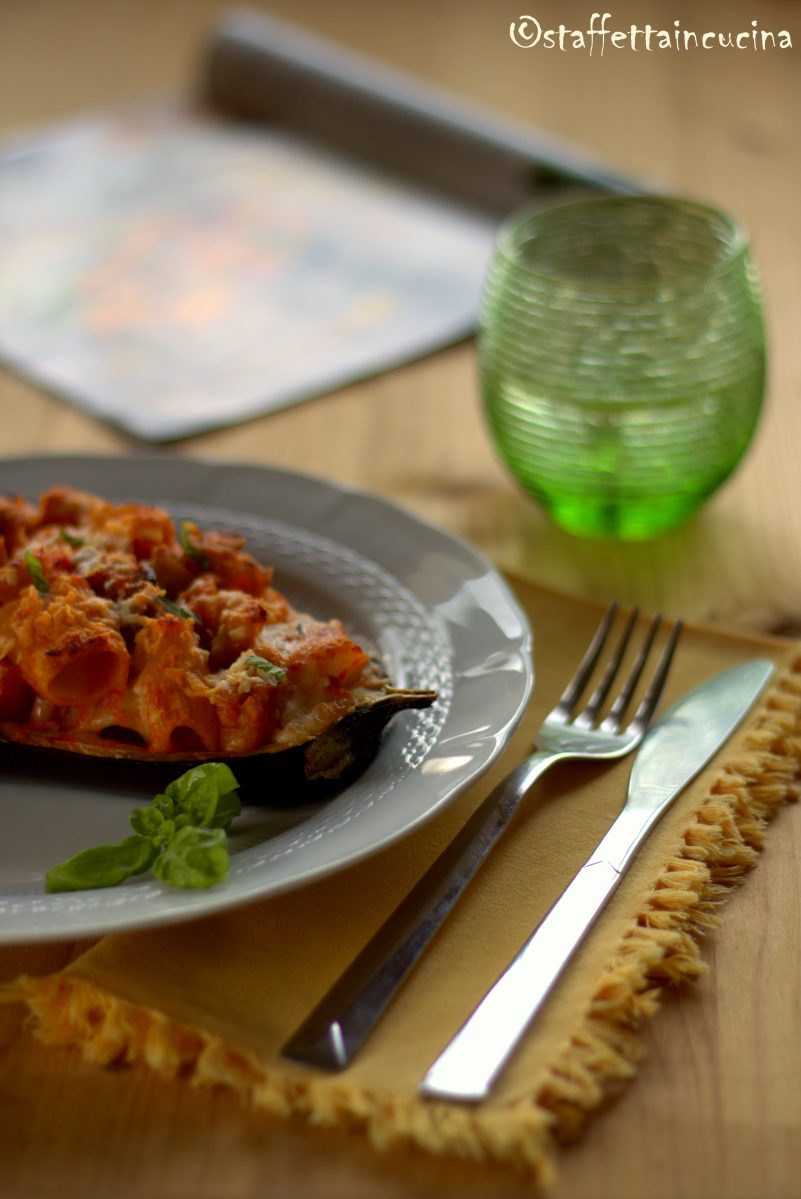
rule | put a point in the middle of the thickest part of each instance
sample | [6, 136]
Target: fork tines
[613, 721]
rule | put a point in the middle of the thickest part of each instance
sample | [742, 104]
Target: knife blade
[674, 751]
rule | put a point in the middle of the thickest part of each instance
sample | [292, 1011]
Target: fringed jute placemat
[214, 1000]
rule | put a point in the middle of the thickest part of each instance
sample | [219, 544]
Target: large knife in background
[671, 755]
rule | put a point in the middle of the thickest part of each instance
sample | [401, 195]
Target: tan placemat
[214, 1000]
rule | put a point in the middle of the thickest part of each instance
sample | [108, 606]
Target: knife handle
[468, 1067]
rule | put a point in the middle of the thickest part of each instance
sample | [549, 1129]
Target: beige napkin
[215, 1000]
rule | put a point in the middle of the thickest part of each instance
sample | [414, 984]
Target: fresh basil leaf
[177, 610]
[35, 570]
[104, 866]
[276, 674]
[168, 830]
[200, 790]
[195, 858]
[214, 774]
[148, 822]
[224, 777]
[200, 807]
[156, 823]
[228, 808]
[207, 795]
[163, 804]
[194, 551]
[71, 539]
[180, 835]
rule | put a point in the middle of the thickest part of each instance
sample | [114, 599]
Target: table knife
[672, 754]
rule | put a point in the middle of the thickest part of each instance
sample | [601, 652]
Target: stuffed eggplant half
[126, 641]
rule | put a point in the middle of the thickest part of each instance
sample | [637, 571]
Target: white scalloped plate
[431, 607]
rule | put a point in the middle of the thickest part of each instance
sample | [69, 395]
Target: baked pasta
[121, 635]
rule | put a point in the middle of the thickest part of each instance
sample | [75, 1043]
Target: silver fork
[334, 1032]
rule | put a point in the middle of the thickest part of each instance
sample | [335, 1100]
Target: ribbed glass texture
[622, 359]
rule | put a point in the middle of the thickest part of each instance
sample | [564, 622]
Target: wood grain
[716, 1109]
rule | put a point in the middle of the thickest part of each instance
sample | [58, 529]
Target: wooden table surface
[716, 1108]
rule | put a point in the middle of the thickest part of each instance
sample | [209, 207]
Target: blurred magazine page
[173, 272]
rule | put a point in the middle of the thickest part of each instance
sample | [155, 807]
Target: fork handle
[331, 1036]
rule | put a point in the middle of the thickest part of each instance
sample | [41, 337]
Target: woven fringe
[720, 845]
[660, 948]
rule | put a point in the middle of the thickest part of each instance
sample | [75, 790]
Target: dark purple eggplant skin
[302, 773]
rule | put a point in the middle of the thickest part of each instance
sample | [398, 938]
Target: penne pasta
[120, 632]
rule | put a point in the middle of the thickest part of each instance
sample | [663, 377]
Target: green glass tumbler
[622, 359]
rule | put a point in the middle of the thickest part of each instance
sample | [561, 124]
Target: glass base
[626, 520]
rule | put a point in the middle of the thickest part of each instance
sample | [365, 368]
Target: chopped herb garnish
[276, 674]
[177, 610]
[194, 551]
[180, 837]
[298, 627]
[35, 570]
[71, 539]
